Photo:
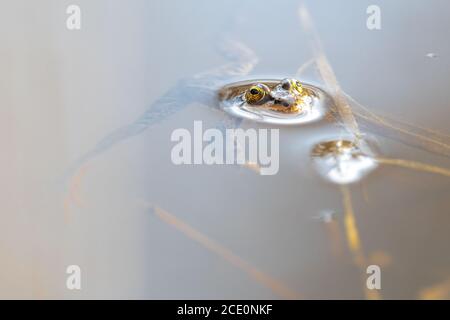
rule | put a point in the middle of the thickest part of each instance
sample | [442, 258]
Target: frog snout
[281, 100]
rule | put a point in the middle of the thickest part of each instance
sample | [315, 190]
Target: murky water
[95, 109]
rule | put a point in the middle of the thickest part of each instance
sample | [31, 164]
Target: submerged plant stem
[414, 165]
[262, 278]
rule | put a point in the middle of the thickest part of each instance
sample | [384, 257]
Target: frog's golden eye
[298, 86]
[254, 94]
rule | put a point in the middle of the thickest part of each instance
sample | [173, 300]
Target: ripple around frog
[316, 106]
[343, 161]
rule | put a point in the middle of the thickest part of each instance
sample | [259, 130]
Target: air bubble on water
[431, 55]
[326, 216]
[314, 107]
[343, 161]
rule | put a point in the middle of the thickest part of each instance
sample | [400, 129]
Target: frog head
[286, 96]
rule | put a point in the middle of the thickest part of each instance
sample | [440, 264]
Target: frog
[278, 101]
[287, 96]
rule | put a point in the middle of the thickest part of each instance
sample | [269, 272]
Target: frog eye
[286, 85]
[254, 94]
[298, 86]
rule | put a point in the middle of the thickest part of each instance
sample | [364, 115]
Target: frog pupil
[254, 91]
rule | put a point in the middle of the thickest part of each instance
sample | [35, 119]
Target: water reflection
[68, 89]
